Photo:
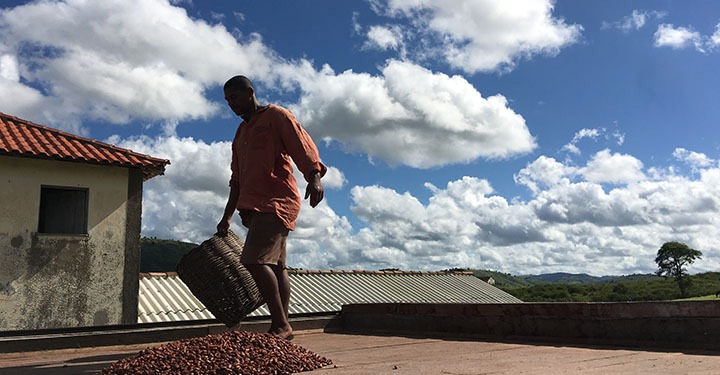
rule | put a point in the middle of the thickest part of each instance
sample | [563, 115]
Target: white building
[70, 212]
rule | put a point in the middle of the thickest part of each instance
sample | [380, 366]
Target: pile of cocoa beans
[232, 352]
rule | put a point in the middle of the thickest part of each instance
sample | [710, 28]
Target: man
[264, 191]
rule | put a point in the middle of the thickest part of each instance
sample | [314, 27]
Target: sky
[521, 136]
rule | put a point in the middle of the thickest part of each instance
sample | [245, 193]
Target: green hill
[522, 281]
[617, 289]
[564, 278]
[161, 255]
[504, 279]
[583, 279]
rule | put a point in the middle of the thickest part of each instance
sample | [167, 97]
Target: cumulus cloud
[607, 167]
[384, 38]
[400, 116]
[668, 35]
[99, 60]
[696, 160]
[483, 36]
[542, 173]
[571, 223]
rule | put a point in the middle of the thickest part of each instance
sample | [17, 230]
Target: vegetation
[672, 259]
[499, 277]
[161, 255]
[566, 278]
[649, 289]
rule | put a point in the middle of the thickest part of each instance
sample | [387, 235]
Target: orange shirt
[261, 167]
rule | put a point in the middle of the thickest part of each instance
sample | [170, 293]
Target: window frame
[42, 208]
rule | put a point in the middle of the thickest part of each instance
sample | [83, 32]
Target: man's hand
[223, 227]
[314, 190]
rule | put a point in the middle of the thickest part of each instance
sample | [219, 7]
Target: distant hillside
[523, 281]
[565, 278]
[584, 279]
[504, 279]
[633, 278]
[161, 255]
[619, 288]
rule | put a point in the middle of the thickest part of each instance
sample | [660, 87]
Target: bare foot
[283, 333]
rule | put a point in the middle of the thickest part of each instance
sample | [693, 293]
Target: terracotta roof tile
[23, 138]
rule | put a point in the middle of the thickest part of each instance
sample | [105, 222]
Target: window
[63, 210]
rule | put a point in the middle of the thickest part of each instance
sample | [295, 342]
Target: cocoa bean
[232, 352]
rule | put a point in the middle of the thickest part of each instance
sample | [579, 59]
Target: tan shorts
[266, 238]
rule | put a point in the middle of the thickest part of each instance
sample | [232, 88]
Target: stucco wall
[52, 281]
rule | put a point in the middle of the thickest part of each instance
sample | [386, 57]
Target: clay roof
[23, 138]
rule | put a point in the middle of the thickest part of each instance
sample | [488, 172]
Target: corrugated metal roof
[164, 297]
[20, 137]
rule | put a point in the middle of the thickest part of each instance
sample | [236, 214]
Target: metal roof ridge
[380, 272]
[334, 272]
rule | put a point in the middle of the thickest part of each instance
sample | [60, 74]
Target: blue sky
[524, 136]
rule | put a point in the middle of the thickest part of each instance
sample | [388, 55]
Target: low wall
[692, 324]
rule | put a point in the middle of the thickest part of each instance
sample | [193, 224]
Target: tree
[672, 259]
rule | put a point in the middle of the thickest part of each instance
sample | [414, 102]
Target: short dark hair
[239, 82]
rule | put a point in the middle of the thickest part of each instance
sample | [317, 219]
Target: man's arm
[230, 207]
[304, 153]
[314, 189]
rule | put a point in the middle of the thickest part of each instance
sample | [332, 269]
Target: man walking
[264, 191]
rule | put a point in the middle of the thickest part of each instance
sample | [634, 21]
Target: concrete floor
[373, 354]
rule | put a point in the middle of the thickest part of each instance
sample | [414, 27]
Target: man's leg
[268, 285]
[264, 257]
[283, 280]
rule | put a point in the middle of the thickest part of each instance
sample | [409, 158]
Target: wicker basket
[214, 274]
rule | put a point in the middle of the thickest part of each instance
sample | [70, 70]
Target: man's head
[240, 95]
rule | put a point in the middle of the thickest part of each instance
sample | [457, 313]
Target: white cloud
[696, 160]
[384, 38]
[123, 61]
[715, 37]
[187, 202]
[583, 133]
[668, 35]
[542, 173]
[634, 21]
[570, 225]
[9, 68]
[482, 36]
[606, 167]
[118, 60]
[400, 116]
[615, 137]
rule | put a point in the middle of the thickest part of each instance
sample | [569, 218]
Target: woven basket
[214, 274]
